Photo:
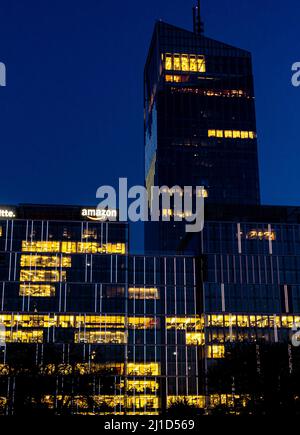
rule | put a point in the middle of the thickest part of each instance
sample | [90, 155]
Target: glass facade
[200, 126]
[89, 327]
[250, 263]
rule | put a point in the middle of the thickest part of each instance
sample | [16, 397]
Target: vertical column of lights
[125, 394]
[145, 336]
[185, 313]
[176, 330]
[195, 328]
[166, 331]
[155, 330]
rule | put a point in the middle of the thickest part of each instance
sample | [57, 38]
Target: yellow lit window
[236, 134]
[24, 336]
[143, 369]
[244, 134]
[88, 247]
[143, 402]
[261, 235]
[42, 275]
[168, 62]
[74, 247]
[201, 64]
[167, 212]
[101, 321]
[44, 261]
[177, 79]
[89, 233]
[34, 290]
[203, 193]
[215, 351]
[109, 337]
[185, 323]
[194, 338]
[115, 248]
[185, 62]
[228, 133]
[193, 63]
[143, 293]
[215, 320]
[198, 401]
[141, 386]
[141, 322]
[169, 78]
[1, 230]
[176, 60]
[40, 246]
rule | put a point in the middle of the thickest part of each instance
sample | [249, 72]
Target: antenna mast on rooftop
[197, 22]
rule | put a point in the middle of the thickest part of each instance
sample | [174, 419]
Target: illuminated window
[89, 233]
[261, 235]
[211, 92]
[143, 293]
[40, 246]
[24, 336]
[179, 79]
[42, 275]
[244, 134]
[228, 133]
[105, 322]
[203, 193]
[194, 338]
[143, 402]
[108, 337]
[176, 62]
[167, 212]
[215, 351]
[193, 63]
[235, 134]
[142, 322]
[74, 247]
[201, 67]
[185, 323]
[69, 247]
[185, 62]
[37, 290]
[168, 62]
[198, 401]
[44, 261]
[143, 369]
[141, 386]
[169, 78]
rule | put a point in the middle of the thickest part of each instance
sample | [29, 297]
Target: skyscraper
[200, 125]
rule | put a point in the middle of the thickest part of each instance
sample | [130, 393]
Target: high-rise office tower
[200, 126]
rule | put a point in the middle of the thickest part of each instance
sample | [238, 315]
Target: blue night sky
[72, 112]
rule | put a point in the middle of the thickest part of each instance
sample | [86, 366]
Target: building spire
[198, 24]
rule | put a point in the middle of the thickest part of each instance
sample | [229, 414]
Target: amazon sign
[98, 214]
